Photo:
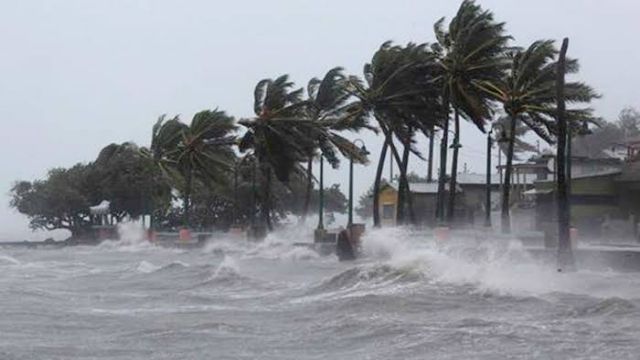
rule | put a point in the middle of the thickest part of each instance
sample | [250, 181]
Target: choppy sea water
[407, 299]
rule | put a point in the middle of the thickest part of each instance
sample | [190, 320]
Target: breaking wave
[147, 267]
[367, 275]
[497, 265]
[602, 307]
[6, 259]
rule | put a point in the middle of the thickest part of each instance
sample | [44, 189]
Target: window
[387, 211]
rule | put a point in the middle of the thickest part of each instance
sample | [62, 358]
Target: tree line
[471, 71]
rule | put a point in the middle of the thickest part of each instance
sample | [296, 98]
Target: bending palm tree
[527, 93]
[400, 95]
[470, 51]
[282, 134]
[201, 151]
[270, 135]
[328, 107]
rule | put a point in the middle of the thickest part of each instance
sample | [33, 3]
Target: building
[603, 204]
[470, 199]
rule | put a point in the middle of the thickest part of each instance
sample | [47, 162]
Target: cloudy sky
[77, 75]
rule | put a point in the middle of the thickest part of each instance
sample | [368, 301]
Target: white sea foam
[225, 245]
[501, 265]
[146, 267]
[132, 238]
[281, 245]
[227, 268]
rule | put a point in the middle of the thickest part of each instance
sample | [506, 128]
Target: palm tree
[527, 93]
[165, 137]
[287, 130]
[400, 94]
[328, 106]
[201, 151]
[272, 137]
[470, 51]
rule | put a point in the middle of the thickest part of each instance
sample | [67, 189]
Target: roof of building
[603, 157]
[590, 175]
[598, 174]
[424, 187]
[477, 179]
[100, 209]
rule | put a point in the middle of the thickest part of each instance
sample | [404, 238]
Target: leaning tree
[470, 51]
[399, 92]
[527, 93]
[330, 109]
[198, 152]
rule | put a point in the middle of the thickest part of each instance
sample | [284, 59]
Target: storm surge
[407, 297]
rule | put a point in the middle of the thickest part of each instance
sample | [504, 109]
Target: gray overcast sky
[77, 75]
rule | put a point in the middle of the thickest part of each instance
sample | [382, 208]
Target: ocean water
[408, 298]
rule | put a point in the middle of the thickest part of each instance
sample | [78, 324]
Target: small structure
[100, 213]
[102, 227]
[424, 195]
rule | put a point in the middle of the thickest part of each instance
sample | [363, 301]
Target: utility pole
[566, 260]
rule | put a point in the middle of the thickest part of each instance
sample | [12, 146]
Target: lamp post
[363, 151]
[502, 139]
[487, 218]
[321, 196]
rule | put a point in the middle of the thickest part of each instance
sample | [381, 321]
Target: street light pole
[487, 219]
[321, 195]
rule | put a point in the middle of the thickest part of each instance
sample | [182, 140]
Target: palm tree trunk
[506, 187]
[443, 167]
[266, 206]
[430, 163]
[402, 188]
[187, 197]
[396, 156]
[565, 254]
[307, 197]
[454, 168]
[377, 183]
[405, 183]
